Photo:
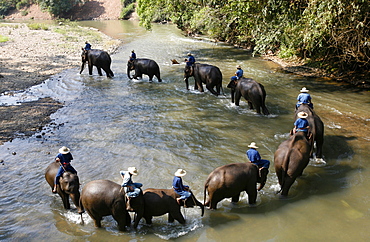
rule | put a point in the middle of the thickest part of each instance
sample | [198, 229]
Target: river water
[111, 124]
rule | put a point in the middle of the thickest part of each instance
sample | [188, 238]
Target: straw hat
[180, 172]
[64, 150]
[238, 67]
[302, 115]
[304, 90]
[189, 54]
[132, 170]
[253, 145]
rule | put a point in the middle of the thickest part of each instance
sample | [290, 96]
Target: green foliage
[58, 7]
[3, 38]
[37, 26]
[126, 11]
[332, 32]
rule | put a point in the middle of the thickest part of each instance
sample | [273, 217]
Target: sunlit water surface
[111, 124]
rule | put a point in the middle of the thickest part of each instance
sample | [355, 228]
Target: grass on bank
[3, 38]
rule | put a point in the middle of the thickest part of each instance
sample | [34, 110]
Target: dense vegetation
[55, 7]
[331, 33]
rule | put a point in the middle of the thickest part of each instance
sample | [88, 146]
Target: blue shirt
[65, 159]
[253, 155]
[239, 73]
[301, 124]
[133, 56]
[304, 98]
[191, 60]
[177, 184]
[87, 46]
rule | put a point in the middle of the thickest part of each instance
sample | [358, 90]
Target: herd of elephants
[103, 197]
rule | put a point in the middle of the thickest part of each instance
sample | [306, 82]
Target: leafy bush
[37, 26]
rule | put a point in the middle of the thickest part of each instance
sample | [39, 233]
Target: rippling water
[111, 124]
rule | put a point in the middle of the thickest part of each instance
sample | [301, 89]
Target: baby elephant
[229, 180]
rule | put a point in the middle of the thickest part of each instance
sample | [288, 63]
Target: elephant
[99, 58]
[204, 73]
[104, 197]
[229, 180]
[252, 91]
[291, 158]
[69, 186]
[144, 66]
[316, 128]
[161, 201]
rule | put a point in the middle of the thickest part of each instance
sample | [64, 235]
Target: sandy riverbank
[31, 56]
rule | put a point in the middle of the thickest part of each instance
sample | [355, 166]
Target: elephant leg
[250, 104]
[209, 86]
[177, 215]
[235, 199]
[258, 109]
[90, 68]
[158, 77]
[97, 221]
[252, 194]
[65, 199]
[99, 71]
[288, 182]
[170, 218]
[139, 215]
[121, 219]
[237, 97]
[148, 219]
[150, 78]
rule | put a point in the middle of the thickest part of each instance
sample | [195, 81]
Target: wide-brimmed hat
[180, 172]
[304, 90]
[189, 54]
[64, 150]
[253, 145]
[238, 67]
[132, 170]
[302, 115]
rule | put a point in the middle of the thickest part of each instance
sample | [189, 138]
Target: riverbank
[33, 53]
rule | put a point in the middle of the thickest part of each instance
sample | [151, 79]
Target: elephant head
[192, 202]
[262, 177]
[188, 72]
[70, 184]
[130, 67]
[232, 86]
[84, 59]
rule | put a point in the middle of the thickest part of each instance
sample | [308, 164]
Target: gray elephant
[103, 198]
[99, 58]
[290, 159]
[316, 127]
[204, 73]
[252, 91]
[144, 66]
[69, 186]
[161, 201]
[230, 180]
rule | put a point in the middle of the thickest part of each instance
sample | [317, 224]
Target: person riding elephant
[316, 129]
[230, 180]
[204, 73]
[69, 185]
[161, 201]
[290, 159]
[132, 56]
[64, 158]
[87, 46]
[99, 58]
[252, 91]
[301, 124]
[238, 74]
[102, 198]
[255, 157]
[304, 98]
[132, 189]
[181, 189]
[143, 66]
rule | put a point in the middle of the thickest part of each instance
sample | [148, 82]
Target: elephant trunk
[82, 66]
[76, 200]
[186, 79]
[128, 72]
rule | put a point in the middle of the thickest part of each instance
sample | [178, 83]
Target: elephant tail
[81, 206]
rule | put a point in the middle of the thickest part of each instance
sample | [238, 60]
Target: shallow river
[111, 124]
